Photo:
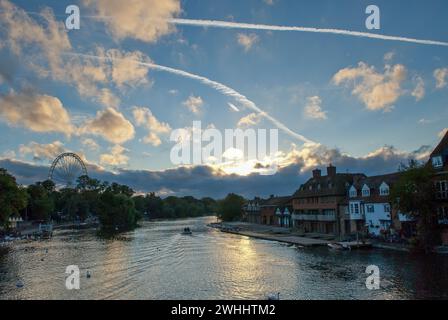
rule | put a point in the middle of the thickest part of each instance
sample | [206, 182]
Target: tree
[116, 212]
[414, 195]
[12, 197]
[41, 204]
[229, 209]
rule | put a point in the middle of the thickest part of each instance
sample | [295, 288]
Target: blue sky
[281, 72]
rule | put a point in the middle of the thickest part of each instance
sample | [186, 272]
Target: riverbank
[285, 235]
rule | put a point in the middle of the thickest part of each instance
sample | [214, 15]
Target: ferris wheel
[66, 168]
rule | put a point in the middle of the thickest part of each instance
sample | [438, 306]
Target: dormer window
[384, 189]
[365, 191]
[352, 192]
[310, 187]
[437, 162]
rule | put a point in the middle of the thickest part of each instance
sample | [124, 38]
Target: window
[356, 208]
[370, 208]
[384, 191]
[437, 162]
[353, 193]
[442, 189]
[365, 192]
[386, 208]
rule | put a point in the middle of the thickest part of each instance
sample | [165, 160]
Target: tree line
[118, 207]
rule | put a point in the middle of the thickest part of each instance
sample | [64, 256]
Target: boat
[273, 296]
[337, 246]
[187, 231]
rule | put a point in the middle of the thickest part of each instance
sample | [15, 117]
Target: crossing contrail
[239, 25]
[225, 90]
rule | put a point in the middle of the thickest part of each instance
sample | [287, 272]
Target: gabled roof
[328, 185]
[276, 201]
[374, 182]
[443, 145]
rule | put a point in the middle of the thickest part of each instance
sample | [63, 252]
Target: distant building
[269, 208]
[251, 210]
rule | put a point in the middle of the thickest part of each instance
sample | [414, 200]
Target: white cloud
[193, 103]
[269, 2]
[8, 154]
[389, 56]
[251, 119]
[90, 143]
[378, 91]
[145, 20]
[247, 40]
[42, 151]
[116, 157]
[419, 91]
[441, 75]
[313, 109]
[144, 117]
[35, 112]
[111, 125]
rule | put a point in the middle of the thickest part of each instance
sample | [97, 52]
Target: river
[156, 262]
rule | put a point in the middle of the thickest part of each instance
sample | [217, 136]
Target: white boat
[337, 246]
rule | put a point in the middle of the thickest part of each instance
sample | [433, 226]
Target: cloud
[378, 91]
[42, 151]
[389, 56]
[269, 2]
[203, 181]
[419, 90]
[125, 70]
[21, 33]
[145, 20]
[441, 75]
[116, 157]
[251, 119]
[35, 112]
[247, 40]
[111, 125]
[144, 117]
[313, 109]
[90, 143]
[193, 103]
[222, 88]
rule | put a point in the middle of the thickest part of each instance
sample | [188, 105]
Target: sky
[114, 90]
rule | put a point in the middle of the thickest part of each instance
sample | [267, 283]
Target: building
[439, 161]
[269, 208]
[283, 213]
[319, 203]
[369, 206]
[251, 210]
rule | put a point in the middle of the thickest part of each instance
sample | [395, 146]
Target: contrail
[239, 25]
[225, 90]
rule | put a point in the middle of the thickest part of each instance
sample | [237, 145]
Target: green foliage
[414, 194]
[229, 209]
[12, 197]
[116, 212]
[40, 202]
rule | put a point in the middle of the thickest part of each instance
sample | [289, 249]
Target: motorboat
[187, 231]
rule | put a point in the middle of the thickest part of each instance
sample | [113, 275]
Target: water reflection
[157, 262]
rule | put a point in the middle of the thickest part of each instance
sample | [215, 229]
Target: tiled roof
[328, 185]
[374, 182]
[443, 145]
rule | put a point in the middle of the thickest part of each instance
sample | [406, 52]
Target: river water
[156, 262]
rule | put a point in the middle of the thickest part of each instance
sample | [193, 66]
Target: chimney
[316, 173]
[331, 171]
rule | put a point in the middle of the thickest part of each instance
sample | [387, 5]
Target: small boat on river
[187, 231]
